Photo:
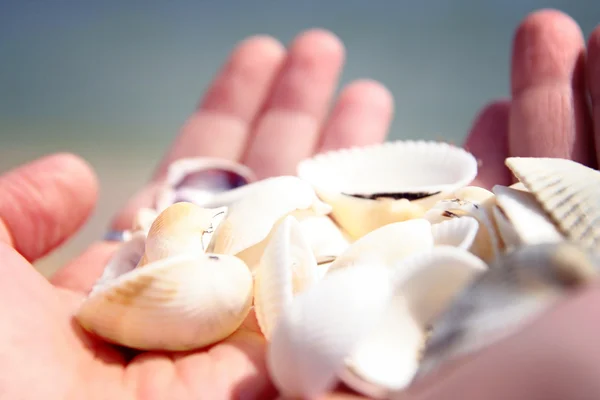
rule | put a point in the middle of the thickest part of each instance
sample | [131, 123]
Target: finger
[549, 114]
[219, 128]
[547, 360]
[44, 202]
[593, 78]
[361, 116]
[289, 127]
[221, 125]
[488, 142]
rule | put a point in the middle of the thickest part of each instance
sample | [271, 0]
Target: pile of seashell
[371, 267]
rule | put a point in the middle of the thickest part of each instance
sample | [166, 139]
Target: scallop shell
[520, 285]
[369, 187]
[568, 191]
[178, 303]
[388, 244]
[424, 284]
[477, 203]
[521, 220]
[179, 228]
[458, 232]
[197, 180]
[322, 326]
[246, 227]
[287, 267]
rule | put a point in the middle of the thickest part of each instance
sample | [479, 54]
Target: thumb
[44, 202]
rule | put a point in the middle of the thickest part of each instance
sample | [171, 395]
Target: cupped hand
[268, 108]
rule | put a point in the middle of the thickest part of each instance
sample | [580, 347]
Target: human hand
[557, 356]
[267, 108]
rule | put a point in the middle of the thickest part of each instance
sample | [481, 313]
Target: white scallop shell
[458, 232]
[177, 303]
[197, 180]
[424, 284]
[368, 187]
[388, 244]
[568, 191]
[519, 286]
[322, 326]
[250, 220]
[476, 204]
[520, 217]
[287, 267]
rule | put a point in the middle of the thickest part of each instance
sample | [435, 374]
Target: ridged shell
[372, 186]
[178, 303]
[388, 244]
[197, 180]
[567, 190]
[424, 284]
[249, 221]
[520, 285]
[520, 217]
[322, 326]
[458, 232]
[476, 203]
[287, 267]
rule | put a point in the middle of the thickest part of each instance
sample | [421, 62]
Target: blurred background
[113, 80]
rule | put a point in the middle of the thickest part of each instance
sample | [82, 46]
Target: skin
[269, 107]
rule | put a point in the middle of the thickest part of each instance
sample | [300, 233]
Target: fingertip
[314, 45]
[46, 201]
[369, 92]
[257, 48]
[546, 45]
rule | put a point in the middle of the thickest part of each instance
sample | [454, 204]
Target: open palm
[267, 108]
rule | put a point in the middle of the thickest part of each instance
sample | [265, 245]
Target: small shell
[424, 284]
[520, 285]
[179, 228]
[372, 186]
[568, 191]
[197, 180]
[520, 218]
[249, 221]
[125, 259]
[324, 236]
[388, 244]
[458, 232]
[322, 326]
[477, 203]
[287, 267]
[177, 303]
